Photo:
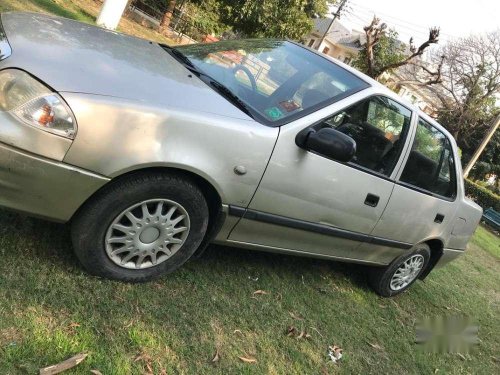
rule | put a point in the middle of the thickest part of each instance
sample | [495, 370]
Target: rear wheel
[140, 227]
[401, 273]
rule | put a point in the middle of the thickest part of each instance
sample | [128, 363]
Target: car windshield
[276, 81]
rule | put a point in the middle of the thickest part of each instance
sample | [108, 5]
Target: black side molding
[236, 211]
[314, 227]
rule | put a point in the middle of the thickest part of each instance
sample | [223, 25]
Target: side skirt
[250, 214]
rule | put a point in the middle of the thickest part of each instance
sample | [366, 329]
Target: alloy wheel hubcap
[147, 233]
[407, 272]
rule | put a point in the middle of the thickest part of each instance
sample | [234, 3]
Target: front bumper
[43, 187]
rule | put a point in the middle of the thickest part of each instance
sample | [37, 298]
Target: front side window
[276, 80]
[379, 126]
[430, 165]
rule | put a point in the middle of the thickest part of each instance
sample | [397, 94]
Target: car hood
[71, 56]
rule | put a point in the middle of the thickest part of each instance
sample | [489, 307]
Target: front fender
[116, 136]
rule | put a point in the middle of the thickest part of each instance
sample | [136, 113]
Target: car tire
[401, 273]
[93, 227]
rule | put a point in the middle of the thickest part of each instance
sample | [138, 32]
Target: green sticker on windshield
[274, 113]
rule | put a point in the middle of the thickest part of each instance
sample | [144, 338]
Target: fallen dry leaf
[95, 372]
[248, 359]
[295, 316]
[64, 365]
[216, 356]
[259, 292]
[375, 346]
[146, 358]
[238, 331]
[304, 335]
[335, 353]
[142, 357]
[291, 331]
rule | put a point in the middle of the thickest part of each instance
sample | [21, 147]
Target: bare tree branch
[374, 31]
[433, 38]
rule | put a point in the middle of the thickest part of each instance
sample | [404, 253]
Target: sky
[414, 18]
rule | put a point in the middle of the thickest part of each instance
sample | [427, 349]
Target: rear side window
[430, 165]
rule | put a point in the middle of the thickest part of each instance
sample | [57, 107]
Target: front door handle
[439, 218]
[372, 200]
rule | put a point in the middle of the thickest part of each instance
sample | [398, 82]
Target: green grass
[50, 310]
[61, 9]
[81, 10]
[487, 240]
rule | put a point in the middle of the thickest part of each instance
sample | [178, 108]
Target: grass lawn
[50, 310]
[81, 10]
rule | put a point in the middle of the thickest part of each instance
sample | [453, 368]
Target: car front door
[311, 204]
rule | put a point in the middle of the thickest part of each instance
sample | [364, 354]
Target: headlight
[35, 104]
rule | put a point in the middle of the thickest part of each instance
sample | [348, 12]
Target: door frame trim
[314, 227]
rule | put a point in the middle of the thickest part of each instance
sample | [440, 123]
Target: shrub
[482, 196]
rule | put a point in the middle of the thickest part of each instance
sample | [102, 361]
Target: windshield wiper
[229, 95]
[178, 55]
[219, 87]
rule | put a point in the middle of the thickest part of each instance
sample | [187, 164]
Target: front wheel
[140, 227]
[401, 273]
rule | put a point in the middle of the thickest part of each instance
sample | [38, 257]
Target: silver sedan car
[152, 152]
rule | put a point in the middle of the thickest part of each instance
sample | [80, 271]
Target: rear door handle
[372, 200]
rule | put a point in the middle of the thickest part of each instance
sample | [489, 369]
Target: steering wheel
[249, 74]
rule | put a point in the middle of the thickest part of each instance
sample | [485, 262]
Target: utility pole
[111, 13]
[335, 16]
[482, 146]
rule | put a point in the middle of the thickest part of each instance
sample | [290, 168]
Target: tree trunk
[167, 17]
[482, 146]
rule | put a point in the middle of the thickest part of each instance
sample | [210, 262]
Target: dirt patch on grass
[10, 335]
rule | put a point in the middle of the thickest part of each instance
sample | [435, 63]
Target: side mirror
[328, 142]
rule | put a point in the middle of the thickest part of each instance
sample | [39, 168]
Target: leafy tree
[389, 50]
[272, 18]
[249, 18]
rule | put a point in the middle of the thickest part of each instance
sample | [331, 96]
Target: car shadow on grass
[45, 241]
[276, 262]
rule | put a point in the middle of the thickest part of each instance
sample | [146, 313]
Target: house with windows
[344, 45]
[340, 42]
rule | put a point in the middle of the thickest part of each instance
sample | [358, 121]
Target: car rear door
[422, 205]
[311, 204]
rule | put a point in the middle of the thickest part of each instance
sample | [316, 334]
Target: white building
[344, 45]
